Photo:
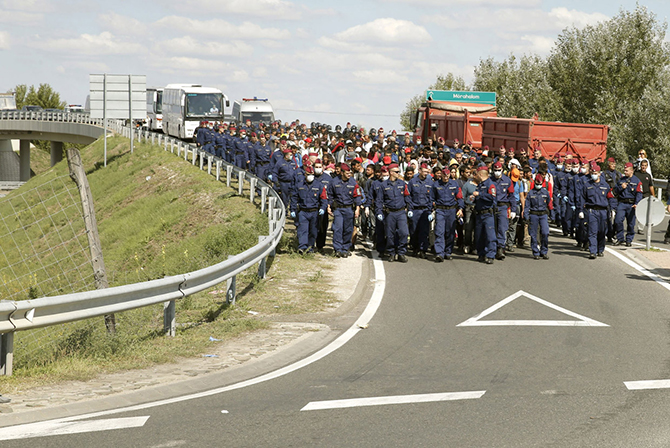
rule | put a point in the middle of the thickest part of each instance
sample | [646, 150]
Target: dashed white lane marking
[363, 320]
[397, 399]
[59, 428]
[645, 385]
[582, 321]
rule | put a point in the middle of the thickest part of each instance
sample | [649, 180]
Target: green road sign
[462, 97]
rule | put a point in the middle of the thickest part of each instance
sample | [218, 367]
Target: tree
[45, 96]
[443, 82]
[613, 73]
[521, 85]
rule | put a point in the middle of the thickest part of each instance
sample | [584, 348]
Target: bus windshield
[159, 102]
[257, 117]
[204, 105]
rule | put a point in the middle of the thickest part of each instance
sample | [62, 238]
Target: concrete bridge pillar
[56, 152]
[24, 160]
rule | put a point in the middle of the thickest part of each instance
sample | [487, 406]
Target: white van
[254, 109]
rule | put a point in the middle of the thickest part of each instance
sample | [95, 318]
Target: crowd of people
[404, 195]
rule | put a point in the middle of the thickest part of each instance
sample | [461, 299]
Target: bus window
[204, 105]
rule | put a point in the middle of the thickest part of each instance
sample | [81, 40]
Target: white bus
[155, 108]
[186, 105]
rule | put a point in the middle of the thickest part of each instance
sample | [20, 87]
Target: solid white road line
[56, 428]
[370, 310]
[644, 385]
[639, 268]
[397, 399]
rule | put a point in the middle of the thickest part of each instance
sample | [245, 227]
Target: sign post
[650, 212]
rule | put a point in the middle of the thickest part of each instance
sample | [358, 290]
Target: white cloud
[260, 72]
[379, 77]
[386, 30]
[539, 44]
[564, 17]
[221, 28]
[189, 46]
[28, 5]
[104, 43]
[4, 40]
[274, 9]
[452, 3]
[20, 17]
[123, 25]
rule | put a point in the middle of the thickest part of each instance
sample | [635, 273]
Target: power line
[337, 113]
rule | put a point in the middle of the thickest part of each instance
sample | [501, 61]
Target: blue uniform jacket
[505, 191]
[632, 192]
[263, 152]
[420, 192]
[537, 201]
[393, 195]
[343, 194]
[284, 171]
[595, 194]
[448, 194]
[487, 197]
[305, 195]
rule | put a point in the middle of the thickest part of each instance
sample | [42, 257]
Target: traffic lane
[540, 382]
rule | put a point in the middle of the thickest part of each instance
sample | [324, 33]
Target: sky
[323, 61]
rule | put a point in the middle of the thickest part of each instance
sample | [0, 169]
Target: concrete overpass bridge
[57, 127]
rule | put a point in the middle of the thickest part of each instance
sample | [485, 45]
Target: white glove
[410, 214]
[581, 215]
[367, 212]
[512, 215]
[613, 214]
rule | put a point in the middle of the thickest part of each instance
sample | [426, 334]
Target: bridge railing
[41, 312]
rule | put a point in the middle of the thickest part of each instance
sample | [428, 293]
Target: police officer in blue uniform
[263, 153]
[322, 220]
[344, 201]
[390, 207]
[241, 149]
[283, 176]
[308, 201]
[572, 168]
[559, 180]
[594, 205]
[375, 193]
[448, 204]
[581, 225]
[220, 143]
[485, 199]
[612, 177]
[629, 193]
[420, 203]
[506, 208]
[199, 134]
[536, 211]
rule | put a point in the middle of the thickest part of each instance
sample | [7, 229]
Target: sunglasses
[395, 171]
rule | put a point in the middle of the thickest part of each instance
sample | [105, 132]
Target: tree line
[616, 72]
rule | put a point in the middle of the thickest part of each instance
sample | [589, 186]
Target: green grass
[157, 215]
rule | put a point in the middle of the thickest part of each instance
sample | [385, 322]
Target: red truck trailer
[461, 121]
[585, 141]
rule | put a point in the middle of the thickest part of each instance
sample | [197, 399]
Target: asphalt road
[554, 385]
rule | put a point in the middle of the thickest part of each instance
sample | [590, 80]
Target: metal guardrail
[46, 311]
[65, 117]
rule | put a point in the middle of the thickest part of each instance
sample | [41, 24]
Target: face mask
[575, 169]
[497, 173]
[318, 171]
[594, 177]
[583, 170]
[385, 178]
[309, 178]
[559, 167]
[538, 186]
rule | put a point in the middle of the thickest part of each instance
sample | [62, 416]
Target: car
[31, 108]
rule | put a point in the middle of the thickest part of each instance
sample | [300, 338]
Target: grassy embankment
[158, 215]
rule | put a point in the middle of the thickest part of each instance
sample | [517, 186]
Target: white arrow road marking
[644, 385]
[397, 399]
[58, 428]
[582, 321]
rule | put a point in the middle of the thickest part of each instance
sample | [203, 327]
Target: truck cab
[254, 109]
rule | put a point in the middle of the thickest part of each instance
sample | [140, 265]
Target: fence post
[179, 149]
[195, 155]
[271, 206]
[218, 170]
[240, 182]
[264, 196]
[186, 153]
[229, 174]
[202, 160]
[170, 318]
[252, 188]
[231, 284]
[262, 265]
[6, 353]
[209, 164]
[172, 146]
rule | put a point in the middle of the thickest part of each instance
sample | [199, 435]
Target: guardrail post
[262, 265]
[195, 155]
[165, 142]
[172, 146]
[170, 318]
[186, 153]
[264, 196]
[218, 170]
[202, 160]
[229, 174]
[240, 182]
[271, 206]
[252, 187]
[209, 164]
[231, 285]
[6, 353]
[153, 138]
